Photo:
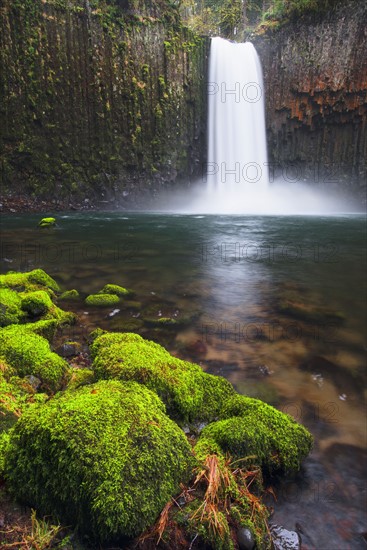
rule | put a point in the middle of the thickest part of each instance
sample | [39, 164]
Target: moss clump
[69, 295]
[45, 327]
[40, 277]
[31, 280]
[115, 289]
[36, 303]
[29, 353]
[189, 394]
[104, 456]
[10, 307]
[47, 222]
[102, 300]
[80, 377]
[257, 433]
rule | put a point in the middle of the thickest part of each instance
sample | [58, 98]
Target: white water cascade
[236, 180]
[237, 157]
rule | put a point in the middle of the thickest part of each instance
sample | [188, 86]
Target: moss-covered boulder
[10, 307]
[257, 433]
[69, 295]
[115, 289]
[102, 300]
[30, 280]
[190, 394]
[30, 354]
[105, 457]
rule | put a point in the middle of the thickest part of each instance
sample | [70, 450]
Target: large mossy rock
[29, 353]
[189, 394]
[104, 457]
[257, 433]
[31, 280]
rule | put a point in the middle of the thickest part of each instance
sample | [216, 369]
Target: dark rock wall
[315, 72]
[99, 98]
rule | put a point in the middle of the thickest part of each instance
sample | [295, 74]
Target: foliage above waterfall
[230, 18]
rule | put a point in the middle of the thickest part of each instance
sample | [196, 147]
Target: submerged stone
[102, 300]
[108, 455]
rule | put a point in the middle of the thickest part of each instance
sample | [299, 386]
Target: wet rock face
[315, 72]
[107, 102]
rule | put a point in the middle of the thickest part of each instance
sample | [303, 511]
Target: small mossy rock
[167, 322]
[10, 307]
[69, 295]
[47, 222]
[29, 353]
[189, 394]
[36, 303]
[102, 300]
[104, 456]
[127, 325]
[253, 429]
[115, 289]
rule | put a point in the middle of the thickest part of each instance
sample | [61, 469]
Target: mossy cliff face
[315, 72]
[99, 98]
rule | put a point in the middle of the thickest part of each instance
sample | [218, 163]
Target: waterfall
[236, 179]
[237, 156]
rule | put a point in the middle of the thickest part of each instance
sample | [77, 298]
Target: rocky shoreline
[130, 445]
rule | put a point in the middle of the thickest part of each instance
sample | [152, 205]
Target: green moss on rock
[80, 377]
[40, 277]
[36, 303]
[189, 394]
[47, 222]
[69, 295]
[102, 300]
[105, 457]
[115, 289]
[257, 433]
[31, 280]
[30, 354]
[10, 307]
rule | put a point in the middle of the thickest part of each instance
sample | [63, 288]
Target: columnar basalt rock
[315, 72]
[105, 98]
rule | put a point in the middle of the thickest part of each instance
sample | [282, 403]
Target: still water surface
[275, 304]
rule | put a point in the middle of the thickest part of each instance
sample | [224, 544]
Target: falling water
[236, 180]
[237, 157]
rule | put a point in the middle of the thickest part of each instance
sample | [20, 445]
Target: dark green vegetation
[234, 18]
[103, 449]
[98, 97]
